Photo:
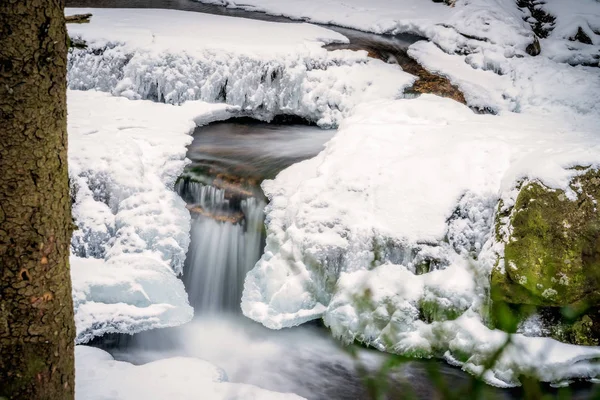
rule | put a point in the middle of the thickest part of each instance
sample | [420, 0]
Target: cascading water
[227, 240]
[221, 188]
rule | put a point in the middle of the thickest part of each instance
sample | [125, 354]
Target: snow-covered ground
[413, 184]
[406, 184]
[100, 377]
[265, 68]
[467, 26]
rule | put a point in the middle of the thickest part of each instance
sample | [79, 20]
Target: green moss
[552, 257]
[378, 253]
[584, 331]
[423, 268]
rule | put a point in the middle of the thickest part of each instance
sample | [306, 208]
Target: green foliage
[432, 310]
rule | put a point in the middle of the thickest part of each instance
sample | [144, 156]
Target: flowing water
[221, 187]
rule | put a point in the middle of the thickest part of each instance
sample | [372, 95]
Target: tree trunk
[36, 309]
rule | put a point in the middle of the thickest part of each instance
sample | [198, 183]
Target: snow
[264, 68]
[133, 229]
[570, 17]
[348, 241]
[98, 376]
[460, 28]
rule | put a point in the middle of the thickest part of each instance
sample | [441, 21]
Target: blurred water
[222, 183]
[221, 187]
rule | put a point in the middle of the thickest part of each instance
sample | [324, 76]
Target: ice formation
[125, 155]
[99, 376]
[402, 233]
[264, 68]
[133, 230]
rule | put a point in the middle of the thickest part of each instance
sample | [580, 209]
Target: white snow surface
[570, 17]
[98, 377]
[133, 229]
[470, 26]
[462, 27]
[348, 239]
[265, 68]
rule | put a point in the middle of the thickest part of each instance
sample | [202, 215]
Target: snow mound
[575, 32]
[262, 67]
[133, 229]
[99, 376]
[386, 234]
[467, 26]
[525, 85]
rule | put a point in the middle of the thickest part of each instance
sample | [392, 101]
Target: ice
[390, 227]
[133, 229]
[98, 376]
[130, 295]
[264, 68]
[125, 155]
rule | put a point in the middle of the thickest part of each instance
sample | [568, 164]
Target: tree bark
[36, 312]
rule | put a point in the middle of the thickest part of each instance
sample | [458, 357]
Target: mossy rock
[571, 326]
[585, 331]
[552, 253]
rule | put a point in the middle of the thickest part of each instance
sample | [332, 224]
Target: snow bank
[390, 226]
[99, 376]
[475, 43]
[563, 43]
[264, 68]
[469, 25]
[525, 85]
[133, 229]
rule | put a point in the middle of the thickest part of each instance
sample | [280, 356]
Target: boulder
[552, 253]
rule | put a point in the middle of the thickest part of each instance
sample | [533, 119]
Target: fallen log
[78, 18]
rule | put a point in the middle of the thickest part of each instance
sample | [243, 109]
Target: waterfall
[227, 240]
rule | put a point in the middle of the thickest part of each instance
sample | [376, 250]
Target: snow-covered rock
[386, 233]
[98, 376]
[264, 68]
[575, 32]
[133, 229]
[471, 37]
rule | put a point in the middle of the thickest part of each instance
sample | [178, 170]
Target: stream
[221, 187]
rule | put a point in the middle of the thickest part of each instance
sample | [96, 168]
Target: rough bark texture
[36, 312]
